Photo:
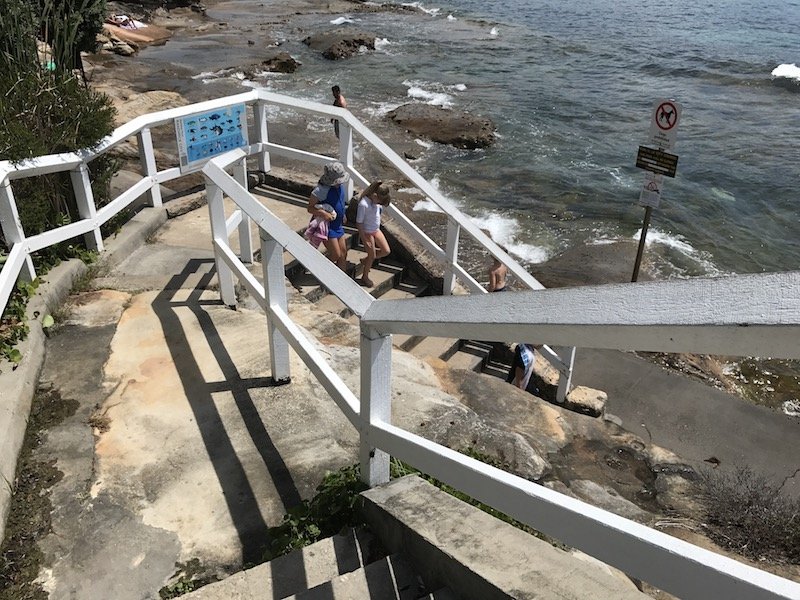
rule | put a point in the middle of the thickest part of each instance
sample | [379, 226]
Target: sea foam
[432, 98]
[789, 71]
[380, 109]
[428, 204]
[418, 6]
[503, 230]
[678, 244]
[382, 43]
[434, 94]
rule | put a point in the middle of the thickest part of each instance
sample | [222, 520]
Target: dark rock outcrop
[340, 43]
[459, 129]
[279, 62]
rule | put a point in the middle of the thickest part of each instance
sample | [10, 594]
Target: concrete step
[471, 356]
[290, 208]
[465, 360]
[398, 293]
[496, 369]
[433, 347]
[384, 276]
[390, 578]
[298, 571]
[280, 194]
[333, 305]
[441, 594]
[454, 544]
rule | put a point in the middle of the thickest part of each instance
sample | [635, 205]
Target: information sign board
[657, 161]
[651, 190]
[203, 136]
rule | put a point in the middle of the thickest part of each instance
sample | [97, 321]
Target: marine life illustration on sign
[203, 136]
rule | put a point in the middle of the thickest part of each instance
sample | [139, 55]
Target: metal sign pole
[645, 225]
[657, 163]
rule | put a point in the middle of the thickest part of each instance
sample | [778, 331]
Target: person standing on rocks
[497, 274]
[331, 190]
[338, 100]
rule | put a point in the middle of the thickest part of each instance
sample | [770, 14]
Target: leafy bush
[338, 502]
[47, 109]
[68, 27]
[13, 326]
[749, 514]
[334, 507]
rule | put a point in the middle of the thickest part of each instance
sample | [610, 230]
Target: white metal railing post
[147, 159]
[84, 198]
[451, 254]
[346, 153]
[12, 228]
[567, 355]
[262, 134]
[376, 402]
[275, 295]
[219, 234]
[245, 238]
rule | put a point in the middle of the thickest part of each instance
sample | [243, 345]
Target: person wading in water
[338, 100]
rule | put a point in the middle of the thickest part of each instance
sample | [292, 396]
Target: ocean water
[570, 87]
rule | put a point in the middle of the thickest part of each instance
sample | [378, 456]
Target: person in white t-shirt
[368, 219]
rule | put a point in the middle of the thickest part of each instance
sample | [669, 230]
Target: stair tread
[390, 578]
[332, 304]
[397, 293]
[465, 360]
[496, 371]
[286, 208]
[440, 594]
[433, 347]
[297, 571]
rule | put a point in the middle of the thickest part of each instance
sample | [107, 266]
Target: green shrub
[48, 109]
[338, 501]
[334, 507]
[13, 326]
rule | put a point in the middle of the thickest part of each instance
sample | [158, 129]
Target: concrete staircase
[426, 544]
[393, 280]
[348, 565]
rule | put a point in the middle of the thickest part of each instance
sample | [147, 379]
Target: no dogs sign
[664, 123]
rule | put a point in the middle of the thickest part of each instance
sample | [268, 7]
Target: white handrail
[641, 316]
[747, 315]
[673, 565]
[669, 563]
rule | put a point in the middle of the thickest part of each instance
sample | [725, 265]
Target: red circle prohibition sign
[666, 116]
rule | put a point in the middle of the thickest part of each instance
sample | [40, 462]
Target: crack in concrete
[787, 478]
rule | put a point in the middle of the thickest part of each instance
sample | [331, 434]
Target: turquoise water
[570, 86]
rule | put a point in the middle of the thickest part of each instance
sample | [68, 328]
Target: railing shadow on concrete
[239, 495]
[747, 315]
